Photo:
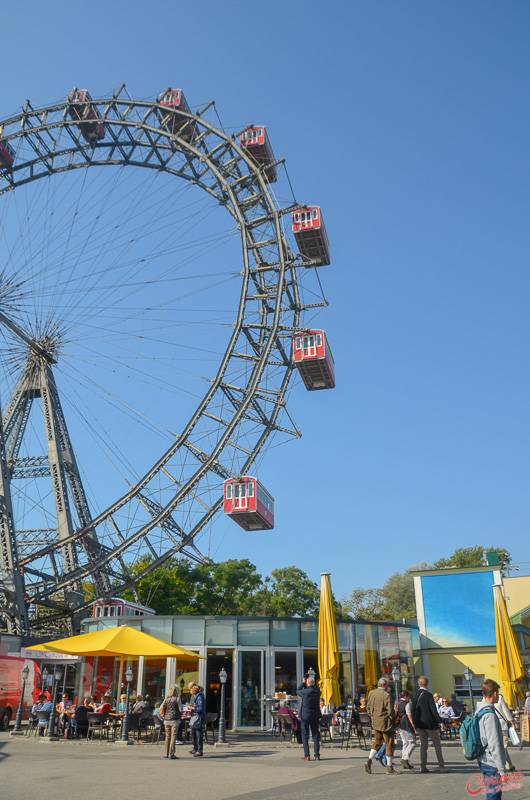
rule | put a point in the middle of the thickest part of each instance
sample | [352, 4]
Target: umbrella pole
[118, 690]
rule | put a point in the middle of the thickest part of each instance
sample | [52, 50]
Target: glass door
[250, 689]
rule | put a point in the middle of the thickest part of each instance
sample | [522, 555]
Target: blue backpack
[470, 734]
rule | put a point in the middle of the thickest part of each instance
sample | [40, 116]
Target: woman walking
[171, 711]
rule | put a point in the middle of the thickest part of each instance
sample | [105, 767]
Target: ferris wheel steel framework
[138, 135]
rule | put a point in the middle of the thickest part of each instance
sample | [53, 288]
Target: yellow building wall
[517, 593]
[443, 666]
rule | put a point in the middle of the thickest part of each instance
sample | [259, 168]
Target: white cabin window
[240, 490]
[319, 340]
[229, 491]
[250, 487]
[298, 342]
[297, 217]
[315, 213]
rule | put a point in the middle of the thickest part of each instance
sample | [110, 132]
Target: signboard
[47, 656]
[525, 732]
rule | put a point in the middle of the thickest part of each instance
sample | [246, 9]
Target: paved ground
[255, 766]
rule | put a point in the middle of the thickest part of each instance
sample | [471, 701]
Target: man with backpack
[493, 759]
[406, 728]
[426, 721]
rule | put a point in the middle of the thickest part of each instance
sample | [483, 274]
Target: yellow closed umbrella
[328, 649]
[118, 641]
[508, 656]
[370, 659]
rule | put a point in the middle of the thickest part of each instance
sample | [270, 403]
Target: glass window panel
[345, 635]
[388, 648]
[229, 492]
[285, 672]
[251, 490]
[250, 690]
[345, 677]
[188, 631]
[161, 628]
[285, 633]
[253, 631]
[368, 662]
[311, 662]
[309, 633]
[154, 678]
[221, 632]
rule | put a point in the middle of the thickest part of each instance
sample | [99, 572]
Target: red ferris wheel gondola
[310, 234]
[248, 504]
[256, 142]
[312, 356]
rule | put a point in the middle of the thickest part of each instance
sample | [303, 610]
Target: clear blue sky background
[408, 123]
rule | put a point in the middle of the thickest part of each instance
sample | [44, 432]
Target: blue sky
[407, 122]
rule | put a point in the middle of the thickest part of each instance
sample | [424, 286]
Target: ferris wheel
[151, 286]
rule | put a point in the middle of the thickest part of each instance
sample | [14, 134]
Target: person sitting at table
[326, 709]
[63, 706]
[46, 706]
[447, 714]
[104, 707]
[285, 712]
[139, 705]
[37, 707]
[149, 702]
[93, 702]
[122, 703]
[79, 719]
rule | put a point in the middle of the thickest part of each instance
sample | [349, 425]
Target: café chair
[41, 715]
[325, 721]
[97, 722]
[211, 719]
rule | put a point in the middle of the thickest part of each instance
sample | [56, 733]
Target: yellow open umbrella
[509, 659]
[118, 641]
[328, 649]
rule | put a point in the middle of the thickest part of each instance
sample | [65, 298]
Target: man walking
[309, 697]
[426, 720]
[383, 721]
[493, 759]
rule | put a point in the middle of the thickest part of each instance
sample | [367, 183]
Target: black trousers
[315, 730]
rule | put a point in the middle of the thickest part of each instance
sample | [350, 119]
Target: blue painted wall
[459, 609]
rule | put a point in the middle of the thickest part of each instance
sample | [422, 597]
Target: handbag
[195, 721]
[514, 737]
[162, 711]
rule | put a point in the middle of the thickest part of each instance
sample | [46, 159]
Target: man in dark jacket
[426, 720]
[309, 697]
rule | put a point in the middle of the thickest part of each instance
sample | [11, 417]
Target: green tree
[288, 592]
[365, 604]
[473, 557]
[398, 593]
[181, 587]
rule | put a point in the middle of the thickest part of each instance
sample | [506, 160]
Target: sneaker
[444, 769]
[306, 758]
[368, 766]
[177, 741]
[392, 771]
[405, 764]
[424, 769]
[317, 758]
[197, 755]
[174, 757]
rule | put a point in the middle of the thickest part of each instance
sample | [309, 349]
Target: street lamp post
[469, 675]
[221, 736]
[51, 719]
[125, 722]
[396, 677]
[311, 673]
[18, 721]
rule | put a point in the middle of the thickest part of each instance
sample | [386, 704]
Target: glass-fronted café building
[263, 656]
